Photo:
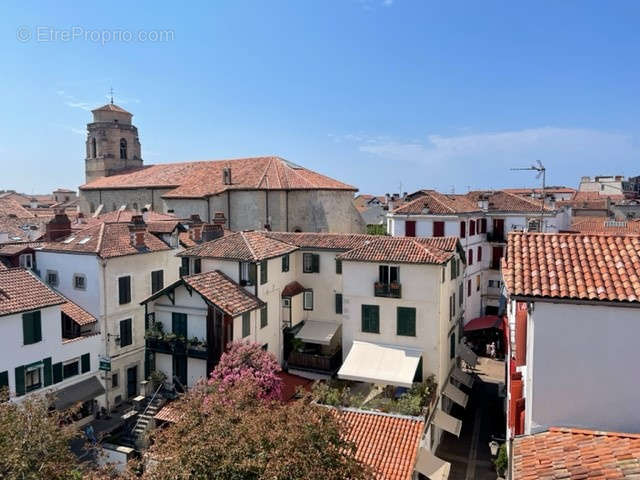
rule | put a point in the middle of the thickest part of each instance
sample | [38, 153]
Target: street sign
[105, 364]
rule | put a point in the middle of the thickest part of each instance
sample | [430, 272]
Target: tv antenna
[542, 172]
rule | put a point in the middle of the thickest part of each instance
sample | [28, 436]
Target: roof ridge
[598, 433]
[100, 237]
[246, 241]
[439, 200]
[528, 200]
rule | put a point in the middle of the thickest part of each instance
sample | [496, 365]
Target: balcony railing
[177, 346]
[314, 361]
[495, 237]
[391, 290]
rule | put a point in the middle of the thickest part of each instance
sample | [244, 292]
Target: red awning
[481, 323]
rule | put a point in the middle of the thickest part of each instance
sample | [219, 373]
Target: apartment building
[49, 344]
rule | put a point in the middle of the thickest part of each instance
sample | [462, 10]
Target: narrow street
[483, 419]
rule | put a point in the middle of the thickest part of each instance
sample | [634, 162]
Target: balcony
[172, 345]
[496, 237]
[316, 361]
[390, 290]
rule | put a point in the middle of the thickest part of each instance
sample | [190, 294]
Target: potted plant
[395, 288]
[157, 378]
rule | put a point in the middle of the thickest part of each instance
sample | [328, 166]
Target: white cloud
[77, 131]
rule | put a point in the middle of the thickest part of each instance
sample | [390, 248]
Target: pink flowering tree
[248, 363]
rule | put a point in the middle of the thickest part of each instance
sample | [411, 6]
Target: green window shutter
[126, 336]
[253, 273]
[452, 346]
[46, 366]
[179, 324]
[338, 266]
[315, 259]
[57, 372]
[371, 318]
[37, 327]
[263, 317]
[19, 380]
[4, 379]
[27, 329]
[85, 361]
[263, 272]
[406, 318]
[285, 263]
[124, 290]
[246, 324]
[338, 303]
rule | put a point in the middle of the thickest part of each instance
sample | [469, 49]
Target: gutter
[571, 301]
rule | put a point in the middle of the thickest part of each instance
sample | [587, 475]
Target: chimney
[137, 229]
[219, 219]
[226, 176]
[59, 227]
[195, 230]
[211, 231]
[33, 203]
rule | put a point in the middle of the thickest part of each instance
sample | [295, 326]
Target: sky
[386, 95]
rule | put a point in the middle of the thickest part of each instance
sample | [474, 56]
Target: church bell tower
[113, 145]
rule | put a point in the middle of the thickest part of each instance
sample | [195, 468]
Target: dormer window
[123, 149]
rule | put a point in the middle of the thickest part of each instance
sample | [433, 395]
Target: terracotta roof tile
[110, 107]
[223, 292]
[292, 289]
[168, 414]
[505, 201]
[21, 291]
[565, 453]
[605, 225]
[573, 266]
[106, 240]
[245, 246]
[11, 208]
[436, 203]
[436, 250]
[77, 313]
[202, 179]
[387, 443]
[319, 241]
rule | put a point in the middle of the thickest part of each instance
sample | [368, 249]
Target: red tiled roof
[591, 200]
[21, 291]
[202, 179]
[328, 241]
[436, 250]
[504, 201]
[168, 414]
[77, 313]
[290, 385]
[547, 190]
[292, 289]
[105, 240]
[223, 292]
[110, 107]
[11, 249]
[10, 207]
[436, 203]
[245, 246]
[125, 216]
[387, 443]
[573, 266]
[166, 226]
[185, 240]
[605, 225]
[572, 454]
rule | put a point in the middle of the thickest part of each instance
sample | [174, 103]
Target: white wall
[581, 367]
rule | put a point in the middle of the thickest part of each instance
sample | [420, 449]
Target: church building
[254, 193]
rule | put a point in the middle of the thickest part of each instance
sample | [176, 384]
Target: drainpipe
[286, 196]
[229, 209]
[103, 265]
[208, 209]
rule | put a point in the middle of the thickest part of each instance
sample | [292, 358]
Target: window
[371, 318]
[114, 380]
[94, 150]
[32, 379]
[126, 336]
[454, 270]
[444, 274]
[454, 304]
[310, 263]
[265, 347]
[483, 225]
[157, 280]
[4, 379]
[285, 263]
[388, 275]
[56, 369]
[123, 149]
[246, 324]
[477, 283]
[438, 229]
[124, 290]
[197, 265]
[470, 253]
[264, 318]
[479, 254]
[307, 300]
[472, 227]
[460, 293]
[31, 328]
[468, 288]
[79, 281]
[338, 303]
[248, 273]
[70, 369]
[406, 321]
[463, 229]
[263, 272]
[179, 324]
[410, 228]
[452, 346]
[338, 266]
[26, 260]
[184, 266]
[52, 278]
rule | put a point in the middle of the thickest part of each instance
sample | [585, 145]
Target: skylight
[69, 240]
[84, 240]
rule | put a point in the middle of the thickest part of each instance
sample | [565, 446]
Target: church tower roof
[111, 107]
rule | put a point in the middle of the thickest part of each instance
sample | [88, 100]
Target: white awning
[314, 331]
[381, 364]
[468, 356]
[454, 393]
[463, 378]
[431, 466]
[447, 422]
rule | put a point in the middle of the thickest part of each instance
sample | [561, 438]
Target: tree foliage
[34, 442]
[247, 362]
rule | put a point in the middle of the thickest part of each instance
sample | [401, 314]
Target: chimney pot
[219, 219]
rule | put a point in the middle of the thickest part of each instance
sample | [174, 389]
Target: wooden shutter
[406, 321]
[263, 272]
[410, 228]
[479, 254]
[179, 324]
[20, 380]
[285, 263]
[338, 303]
[85, 362]
[124, 290]
[4, 379]
[37, 326]
[46, 366]
[57, 372]
[27, 329]
[463, 229]
[338, 266]
[253, 273]
[438, 229]
[452, 346]
[472, 227]
[264, 319]
[315, 261]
